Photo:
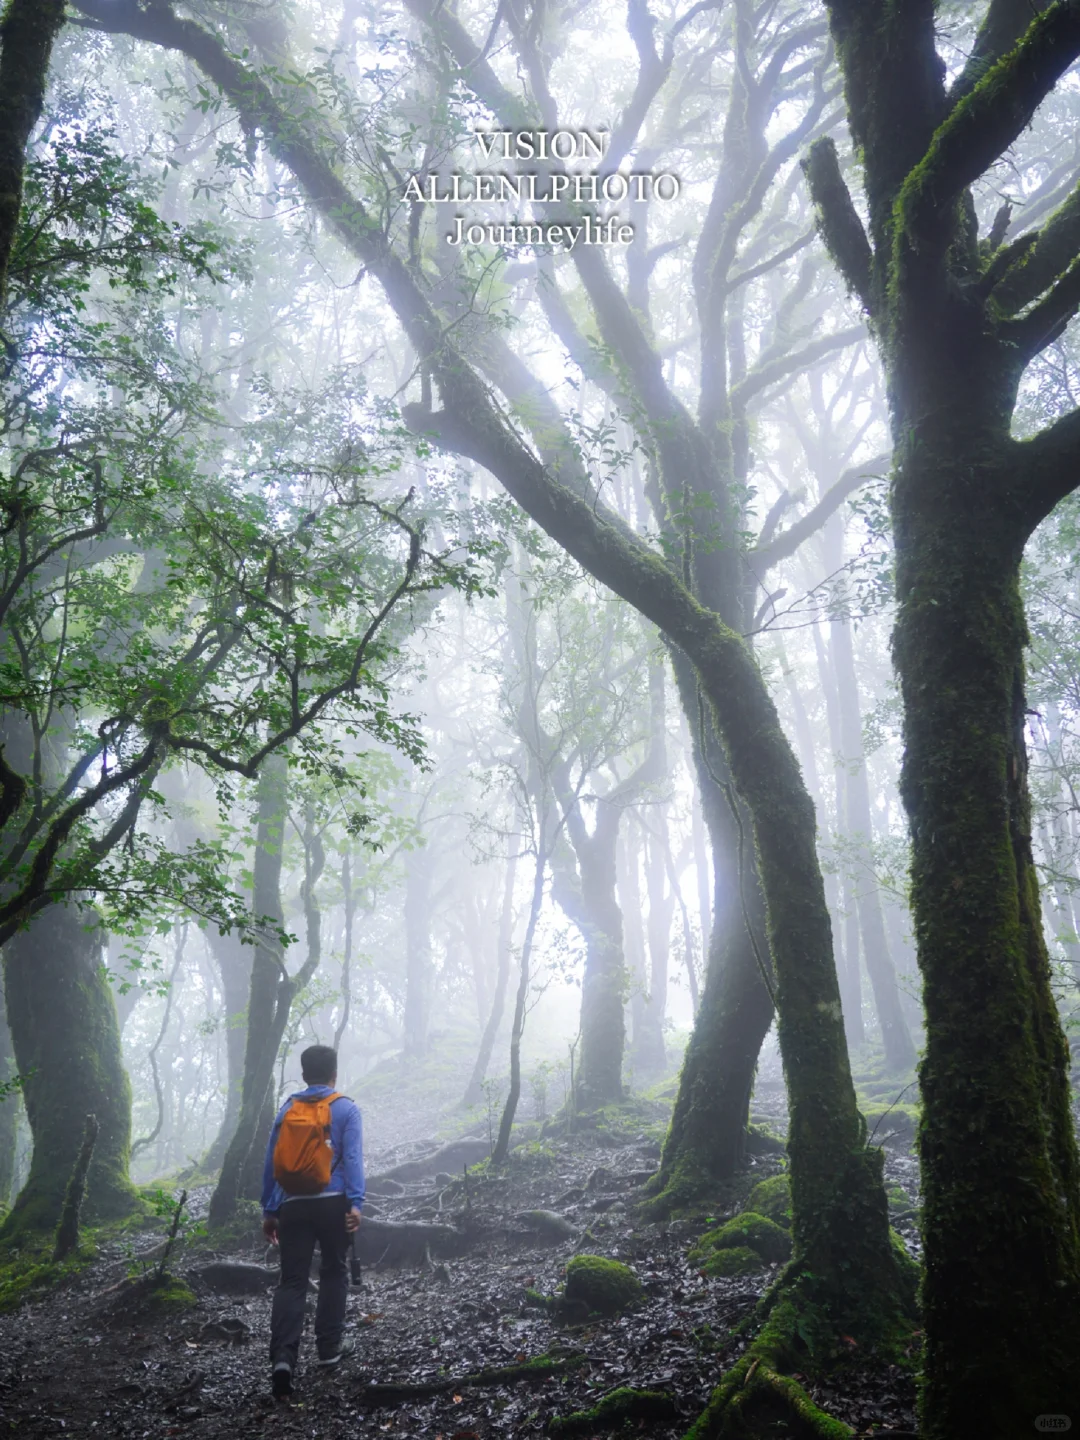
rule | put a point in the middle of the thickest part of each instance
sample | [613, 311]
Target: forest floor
[72, 1365]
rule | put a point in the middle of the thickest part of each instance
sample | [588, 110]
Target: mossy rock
[739, 1260]
[772, 1198]
[748, 1230]
[596, 1285]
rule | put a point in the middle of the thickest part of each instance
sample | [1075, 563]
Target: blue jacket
[346, 1141]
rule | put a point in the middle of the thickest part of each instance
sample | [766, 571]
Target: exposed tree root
[614, 1410]
[754, 1395]
[531, 1371]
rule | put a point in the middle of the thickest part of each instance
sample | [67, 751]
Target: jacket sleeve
[352, 1151]
[269, 1184]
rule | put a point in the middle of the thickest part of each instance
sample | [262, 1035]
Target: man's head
[318, 1065]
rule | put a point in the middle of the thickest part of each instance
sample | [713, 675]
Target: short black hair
[318, 1064]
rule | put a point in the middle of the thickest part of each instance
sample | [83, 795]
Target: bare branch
[788, 541]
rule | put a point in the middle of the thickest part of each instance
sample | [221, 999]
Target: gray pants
[302, 1223]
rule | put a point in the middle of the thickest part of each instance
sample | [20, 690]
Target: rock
[748, 1230]
[740, 1260]
[548, 1224]
[228, 1328]
[594, 1284]
[232, 1277]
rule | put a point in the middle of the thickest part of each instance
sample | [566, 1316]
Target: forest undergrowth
[74, 1362]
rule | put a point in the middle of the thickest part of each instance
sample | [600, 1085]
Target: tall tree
[960, 312]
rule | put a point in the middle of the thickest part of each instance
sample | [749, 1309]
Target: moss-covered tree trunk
[67, 1046]
[1001, 1195]
[959, 316]
[28, 30]
[706, 1141]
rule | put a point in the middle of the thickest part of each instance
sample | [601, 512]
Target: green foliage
[175, 590]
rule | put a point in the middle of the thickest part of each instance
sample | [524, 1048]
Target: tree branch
[1003, 24]
[762, 376]
[1034, 261]
[1048, 468]
[1044, 322]
[838, 221]
[788, 541]
[983, 125]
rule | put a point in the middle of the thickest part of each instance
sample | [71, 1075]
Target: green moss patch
[772, 1198]
[28, 1273]
[746, 1231]
[598, 1286]
[621, 1407]
[739, 1260]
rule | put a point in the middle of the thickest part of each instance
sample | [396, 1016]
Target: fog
[538, 549]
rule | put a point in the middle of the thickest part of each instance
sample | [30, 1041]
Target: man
[313, 1188]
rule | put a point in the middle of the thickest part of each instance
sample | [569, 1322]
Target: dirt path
[67, 1370]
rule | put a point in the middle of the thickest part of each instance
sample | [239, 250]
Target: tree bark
[9, 1110]
[419, 871]
[1001, 1146]
[67, 1046]
[270, 994]
[474, 1092]
[506, 1124]
[895, 1036]
[233, 960]
[28, 30]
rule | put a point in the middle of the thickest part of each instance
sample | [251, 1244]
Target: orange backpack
[303, 1157]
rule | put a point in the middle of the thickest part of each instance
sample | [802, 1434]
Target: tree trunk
[67, 1046]
[588, 896]
[506, 1124]
[474, 1091]
[848, 958]
[270, 994]
[233, 959]
[419, 870]
[9, 1110]
[1001, 1198]
[632, 908]
[707, 1139]
[652, 1054]
[895, 1036]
